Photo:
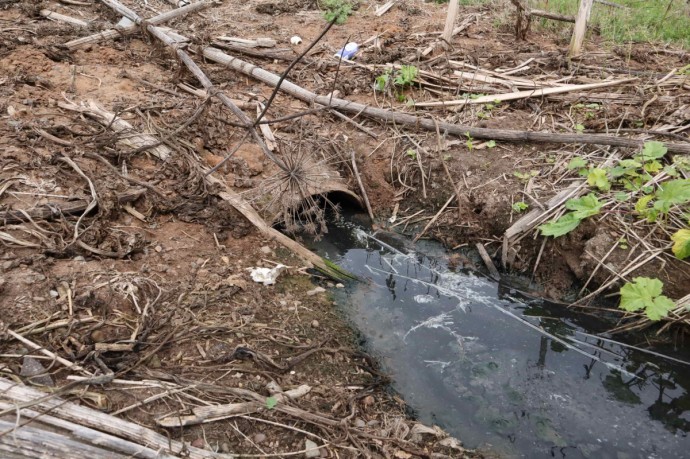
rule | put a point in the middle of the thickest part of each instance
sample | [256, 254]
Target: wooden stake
[522, 22]
[361, 186]
[581, 21]
[487, 261]
[453, 7]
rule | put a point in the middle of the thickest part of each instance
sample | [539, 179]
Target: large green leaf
[597, 177]
[659, 308]
[626, 167]
[673, 192]
[653, 150]
[406, 75]
[645, 294]
[577, 162]
[563, 225]
[641, 207]
[585, 206]
[681, 244]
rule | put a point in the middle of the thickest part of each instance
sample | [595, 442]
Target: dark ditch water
[512, 377]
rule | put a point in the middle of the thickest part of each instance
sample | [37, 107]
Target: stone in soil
[312, 448]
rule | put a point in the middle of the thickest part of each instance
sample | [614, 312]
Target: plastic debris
[267, 276]
[124, 23]
[348, 52]
[296, 40]
[316, 291]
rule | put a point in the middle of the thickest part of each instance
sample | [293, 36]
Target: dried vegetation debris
[132, 265]
[124, 282]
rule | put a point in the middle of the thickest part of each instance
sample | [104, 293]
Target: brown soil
[183, 255]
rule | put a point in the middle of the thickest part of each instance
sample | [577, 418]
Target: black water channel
[509, 376]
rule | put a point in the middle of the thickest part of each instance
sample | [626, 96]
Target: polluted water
[507, 375]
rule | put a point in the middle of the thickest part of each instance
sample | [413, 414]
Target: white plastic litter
[267, 276]
[296, 40]
[348, 52]
[124, 22]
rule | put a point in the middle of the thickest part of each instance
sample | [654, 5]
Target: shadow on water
[516, 377]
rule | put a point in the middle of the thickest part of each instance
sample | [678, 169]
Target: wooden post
[447, 36]
[581, 21]
[522, 22]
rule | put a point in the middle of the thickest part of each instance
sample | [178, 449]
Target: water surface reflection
[521, 378]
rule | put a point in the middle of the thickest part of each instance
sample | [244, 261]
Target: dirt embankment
[143, 270]
[132, 267]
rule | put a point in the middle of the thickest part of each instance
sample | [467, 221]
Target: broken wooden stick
[52, 15]
[52, 211]
[136, 141]
[533, 217]
[487, 261]
[92, 427]
[361, 186]
[552, 16]
[204, 414]
[124, 31]
[538, 92]
[427, 123]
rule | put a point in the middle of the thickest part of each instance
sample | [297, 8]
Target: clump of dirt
[289, 6]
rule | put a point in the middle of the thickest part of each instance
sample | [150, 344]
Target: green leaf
[271, 402]
[579, 128]
[645, 294]
[641, 207]
[660, 307]
[673, 192]
[406, 75]
[671, 171]
[642, 203]
[382, 81]
[597, 177]
[577, 162]
[682, 163]
[626, 167]
[491, 144]
[524, 175]
[653, 150]
[411, 153]
[585, 206]
[520, 206]
[563, 225]
[622, 196]
[337, 10]
[681, 246]
[653, 166]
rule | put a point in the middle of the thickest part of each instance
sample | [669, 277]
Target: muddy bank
[133, 265]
